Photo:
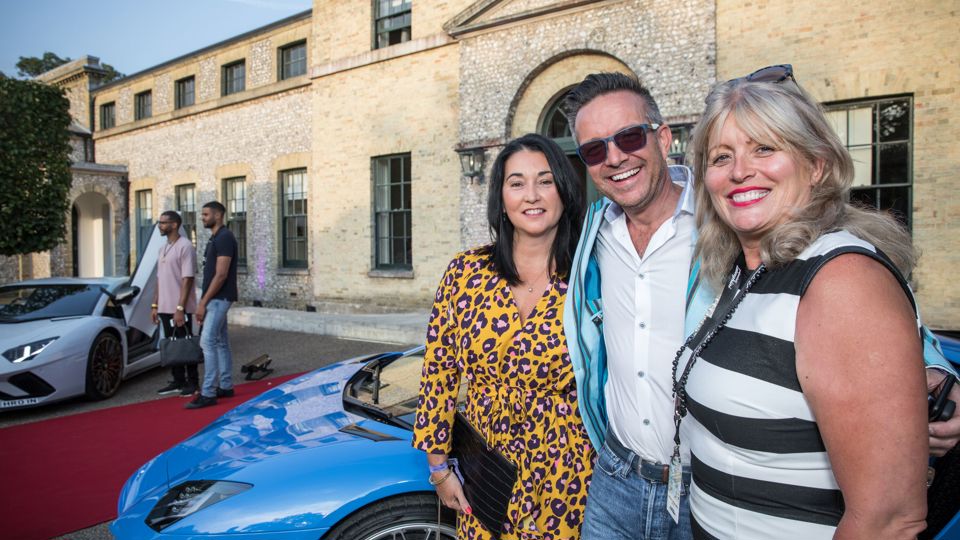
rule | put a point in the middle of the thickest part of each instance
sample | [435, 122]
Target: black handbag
[943, 496]
[180, 351]
[488, 476]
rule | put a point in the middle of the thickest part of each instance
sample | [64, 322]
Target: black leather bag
[943, 496]
[488, 476]
[180, 351]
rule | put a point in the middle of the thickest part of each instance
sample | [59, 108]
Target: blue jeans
[217, 360]
[623, 505]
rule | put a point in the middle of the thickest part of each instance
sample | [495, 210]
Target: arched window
[554, 125]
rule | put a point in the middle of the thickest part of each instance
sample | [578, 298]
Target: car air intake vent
[375, 436]
[31, 384]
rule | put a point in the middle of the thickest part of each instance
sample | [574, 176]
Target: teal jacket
[583, 320]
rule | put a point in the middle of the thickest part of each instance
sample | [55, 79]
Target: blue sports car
[324, 456]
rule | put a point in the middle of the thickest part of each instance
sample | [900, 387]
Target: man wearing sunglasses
[623, 330]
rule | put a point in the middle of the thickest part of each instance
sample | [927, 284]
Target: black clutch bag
[488, 476]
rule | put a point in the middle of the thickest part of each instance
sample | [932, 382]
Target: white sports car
[65, 337]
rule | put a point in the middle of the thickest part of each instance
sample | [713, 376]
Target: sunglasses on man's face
[631, 139]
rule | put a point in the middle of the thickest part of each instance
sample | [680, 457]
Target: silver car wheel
[415, 531]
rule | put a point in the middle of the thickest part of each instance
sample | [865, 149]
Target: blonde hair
[784, 116]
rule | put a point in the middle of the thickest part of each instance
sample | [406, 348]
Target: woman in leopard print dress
[497, 324]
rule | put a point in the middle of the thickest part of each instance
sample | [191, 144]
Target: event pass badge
[675, 487]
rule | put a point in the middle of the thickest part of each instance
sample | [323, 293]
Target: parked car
[67, 337]
[326, 455]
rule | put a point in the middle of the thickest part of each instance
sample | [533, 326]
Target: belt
[648, 470]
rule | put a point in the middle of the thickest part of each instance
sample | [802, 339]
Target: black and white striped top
[760, 469]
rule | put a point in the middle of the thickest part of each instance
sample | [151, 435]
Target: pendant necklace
[166, 249]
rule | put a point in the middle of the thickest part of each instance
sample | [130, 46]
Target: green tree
[31, 66]
[34, 166]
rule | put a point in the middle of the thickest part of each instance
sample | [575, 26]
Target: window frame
[406, 193]
[144, 219]
[231, 219]
[377, 17]
[227, 86]
[876, 189]
[112, 107]
[178, 93]
[282, 65]
[143, 105]
[286, 260]
[189, 216]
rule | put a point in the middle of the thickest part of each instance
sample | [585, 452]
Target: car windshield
[392, 387]
[19, 303]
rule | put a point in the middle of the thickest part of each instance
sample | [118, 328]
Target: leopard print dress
[521, 395]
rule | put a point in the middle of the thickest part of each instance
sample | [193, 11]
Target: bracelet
[437, 468]
[440, 480]
[153, 306]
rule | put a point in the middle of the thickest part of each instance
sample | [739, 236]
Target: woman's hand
[450, 491]
[944, 435]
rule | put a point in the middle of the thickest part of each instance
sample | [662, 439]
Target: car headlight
[189, 498]
[29, 351]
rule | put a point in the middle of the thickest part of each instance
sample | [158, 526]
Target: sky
[130, 35]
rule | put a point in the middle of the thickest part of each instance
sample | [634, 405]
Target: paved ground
[291, 352]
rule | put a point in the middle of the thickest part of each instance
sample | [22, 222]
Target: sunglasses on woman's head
[770, 74]
[630, 139]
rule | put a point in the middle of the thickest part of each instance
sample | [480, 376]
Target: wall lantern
[471, 163]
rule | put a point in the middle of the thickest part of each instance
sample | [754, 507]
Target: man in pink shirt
[175, 301]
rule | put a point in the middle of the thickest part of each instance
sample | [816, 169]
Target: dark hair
[216, 206]
[569, 187]
[175, 217]
[599, 84]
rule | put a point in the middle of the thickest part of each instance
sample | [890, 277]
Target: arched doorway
[537, 105]
[92, 233]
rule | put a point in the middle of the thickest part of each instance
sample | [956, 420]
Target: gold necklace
[533, 283]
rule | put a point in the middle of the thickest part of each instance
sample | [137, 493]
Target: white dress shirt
[643, 315]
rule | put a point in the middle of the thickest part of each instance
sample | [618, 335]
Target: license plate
[19, 402]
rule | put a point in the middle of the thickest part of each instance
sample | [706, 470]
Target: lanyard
[727, 303]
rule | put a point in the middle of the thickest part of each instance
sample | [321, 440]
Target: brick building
[334, 136]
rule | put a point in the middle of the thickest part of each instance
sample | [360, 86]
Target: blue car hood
[303, 413]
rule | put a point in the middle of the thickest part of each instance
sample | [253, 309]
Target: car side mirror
[123, 294]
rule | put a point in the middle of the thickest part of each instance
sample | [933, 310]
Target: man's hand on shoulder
[944, 435]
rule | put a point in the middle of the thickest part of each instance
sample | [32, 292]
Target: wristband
[437, 468]
[153, 306]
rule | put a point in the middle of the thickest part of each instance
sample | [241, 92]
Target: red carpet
[65, 474]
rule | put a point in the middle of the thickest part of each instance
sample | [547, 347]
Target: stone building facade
[373, 126]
